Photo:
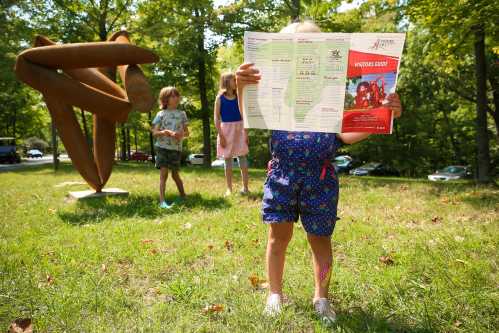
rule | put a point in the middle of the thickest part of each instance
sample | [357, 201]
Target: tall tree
[464, 30]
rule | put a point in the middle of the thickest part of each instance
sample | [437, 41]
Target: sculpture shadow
[98, 210]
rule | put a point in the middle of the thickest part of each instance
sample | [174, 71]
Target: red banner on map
[360, 63]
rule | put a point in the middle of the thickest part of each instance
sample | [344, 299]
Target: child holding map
[301, 182]
[232, 140]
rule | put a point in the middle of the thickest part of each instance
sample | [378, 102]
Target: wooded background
[448, 80]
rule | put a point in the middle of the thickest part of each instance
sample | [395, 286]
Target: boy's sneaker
[273, 306]
[165, 205]
[324, 311]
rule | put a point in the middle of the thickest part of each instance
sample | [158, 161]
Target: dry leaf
[50, 280]
[210, 247]
[147, 241]
[387, 260]
[21, 326]
[258, 283]
[103, 268]
[228, 245]
[213, 308]
[153, 251]
[436, 220]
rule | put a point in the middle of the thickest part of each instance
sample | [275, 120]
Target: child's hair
[225, 82]
[165, 94]
[302, 26]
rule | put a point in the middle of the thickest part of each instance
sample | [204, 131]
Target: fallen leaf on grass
[213, 308]
[387, 260]
[436, 219]
[103, 268]
[153, 251]
[228, 245]
[147, 241]
[257, 283]
[50, 280]
[457, 323]
[210, 247]
[22, 325]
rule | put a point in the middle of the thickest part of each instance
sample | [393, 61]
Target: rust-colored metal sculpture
[81, 75]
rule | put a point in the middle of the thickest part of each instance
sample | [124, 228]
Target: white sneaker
[324, 311]
[273, 306]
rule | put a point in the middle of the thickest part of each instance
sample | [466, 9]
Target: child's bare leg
[243, 164]
[178, 182]
[278, 240]
[163, 176]
[228, 173]
[322, 262]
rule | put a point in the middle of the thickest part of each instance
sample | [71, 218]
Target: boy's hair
[302, 26]
[165, 94]
[225, 81]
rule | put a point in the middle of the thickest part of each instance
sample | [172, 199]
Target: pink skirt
[235, 142]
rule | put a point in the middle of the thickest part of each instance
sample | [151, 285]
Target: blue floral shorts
[301, 182]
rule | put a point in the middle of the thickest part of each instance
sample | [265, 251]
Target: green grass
[123, 265]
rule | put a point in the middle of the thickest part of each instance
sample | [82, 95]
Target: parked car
[374, 169]
[195, 159]
[140, 156]
[452, 172]
[220, 163]
[343, 163]
[8, 152]
[34, 153]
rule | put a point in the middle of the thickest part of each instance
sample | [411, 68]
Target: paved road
[28, 162]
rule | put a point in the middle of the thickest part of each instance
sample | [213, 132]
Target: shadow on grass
[356, 319]
[96, 210]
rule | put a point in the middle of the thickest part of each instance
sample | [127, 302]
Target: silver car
[452, 172]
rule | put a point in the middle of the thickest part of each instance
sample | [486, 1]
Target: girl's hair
[225, 83]
[302, 26]
[165, 94]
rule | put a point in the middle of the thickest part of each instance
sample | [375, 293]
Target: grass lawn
[410, 256]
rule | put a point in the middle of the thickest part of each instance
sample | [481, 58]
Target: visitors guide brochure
[322, 82]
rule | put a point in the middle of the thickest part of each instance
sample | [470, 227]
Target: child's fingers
[245, 65]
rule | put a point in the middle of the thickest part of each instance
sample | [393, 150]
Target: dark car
[8, 152]
[374, 169]
[452, 172]
[140, 156]
[343, 163]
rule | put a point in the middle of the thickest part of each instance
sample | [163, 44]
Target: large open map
[310, 79]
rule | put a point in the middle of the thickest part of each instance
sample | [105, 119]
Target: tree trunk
[205, 113]
[123, 143]
[128, 145]
[55, 152]
[85, 128]
[482, 135]
[495, 94]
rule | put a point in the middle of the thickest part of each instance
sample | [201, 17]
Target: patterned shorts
[301, 182]
[167, 158]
